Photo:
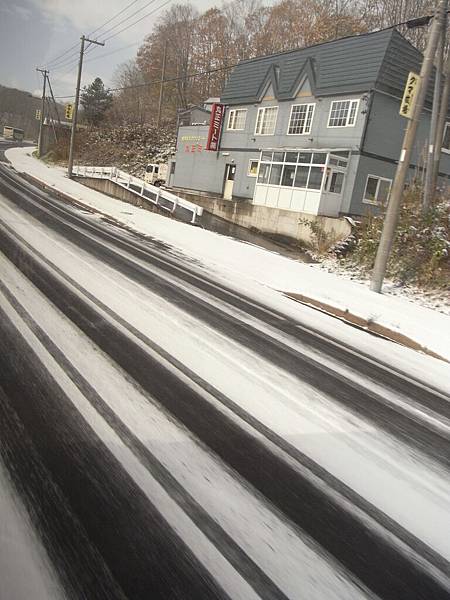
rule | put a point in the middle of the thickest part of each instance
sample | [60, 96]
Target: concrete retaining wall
[108, 187]
[273, 221]
[284, 224]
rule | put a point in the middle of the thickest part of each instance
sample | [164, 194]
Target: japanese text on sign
[410, 94]
[215, 126]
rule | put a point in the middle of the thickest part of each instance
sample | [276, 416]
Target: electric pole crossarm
[77, 99]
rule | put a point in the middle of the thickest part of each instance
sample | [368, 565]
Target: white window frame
[347, 124]
[308, 108]
[376, 202]
[232, 119]
[262, 110]
[249, 173]
[445, 150]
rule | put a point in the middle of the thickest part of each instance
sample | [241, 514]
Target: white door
[230, 171]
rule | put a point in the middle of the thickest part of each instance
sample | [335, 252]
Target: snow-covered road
[179, 439]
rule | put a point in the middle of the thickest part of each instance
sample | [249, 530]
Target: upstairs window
[236, 119]
[343, 113]
[301, 119]
[266, 120]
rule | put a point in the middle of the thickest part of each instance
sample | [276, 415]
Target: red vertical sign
[215, 126]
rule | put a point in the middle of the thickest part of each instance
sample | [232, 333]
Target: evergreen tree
[96, 100]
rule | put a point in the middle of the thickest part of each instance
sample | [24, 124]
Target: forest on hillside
[201, 47]
[18, 109]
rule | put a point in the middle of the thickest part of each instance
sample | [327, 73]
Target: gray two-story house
[315, 130]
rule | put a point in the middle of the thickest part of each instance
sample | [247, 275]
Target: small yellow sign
[409, 95]
[69, 112]
[38, 114]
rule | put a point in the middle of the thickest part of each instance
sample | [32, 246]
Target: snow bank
[243, 264]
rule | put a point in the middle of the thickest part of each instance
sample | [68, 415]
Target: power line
[112, 52]
[73, 61]
[421, 20]
[74, 49]
[113, 17]
[123, 21]
[169, 80]
[58, 57]
[139, 20]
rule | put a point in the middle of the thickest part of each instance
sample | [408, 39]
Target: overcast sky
[35, 32]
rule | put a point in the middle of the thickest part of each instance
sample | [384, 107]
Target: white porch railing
[178, 207]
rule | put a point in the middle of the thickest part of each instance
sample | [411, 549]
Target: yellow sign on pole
[69, 111]
[38, 114]
[409, 95]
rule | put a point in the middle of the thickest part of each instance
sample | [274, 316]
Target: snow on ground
[434, 299]
[245, 265]
[270, 541]
[339, 441]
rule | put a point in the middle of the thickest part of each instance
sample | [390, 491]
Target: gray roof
[380, 60]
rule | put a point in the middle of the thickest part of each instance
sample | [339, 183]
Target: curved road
[166, 436]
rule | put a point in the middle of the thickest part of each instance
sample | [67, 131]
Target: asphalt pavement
[114, 519]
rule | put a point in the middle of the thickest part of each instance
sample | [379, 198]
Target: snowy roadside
[245, 265]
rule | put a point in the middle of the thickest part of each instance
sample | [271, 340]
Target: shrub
[420, 253]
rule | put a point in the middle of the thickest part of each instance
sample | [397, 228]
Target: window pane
[339, 113]
[352, 116]
[315, 178]
[275, 174]
[239, 121]
[263, 176]
[265, 123]
[266, 156]
[278, 156]
[383, 191]
[319, 158]
[304, 157]
[288, 175]
[446, 142]
[253, 168]
[291, 157]
[336, 182]
[301, 118]
[301, 177]
[259, 120]
[371, 189]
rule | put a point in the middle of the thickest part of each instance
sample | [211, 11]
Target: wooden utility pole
[442, 120]
[77, 98]
[393, 209]
[54, 101]
[41, 121]
[429, 189]
[161, 88]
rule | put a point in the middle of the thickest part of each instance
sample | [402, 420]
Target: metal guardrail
[179, 207]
